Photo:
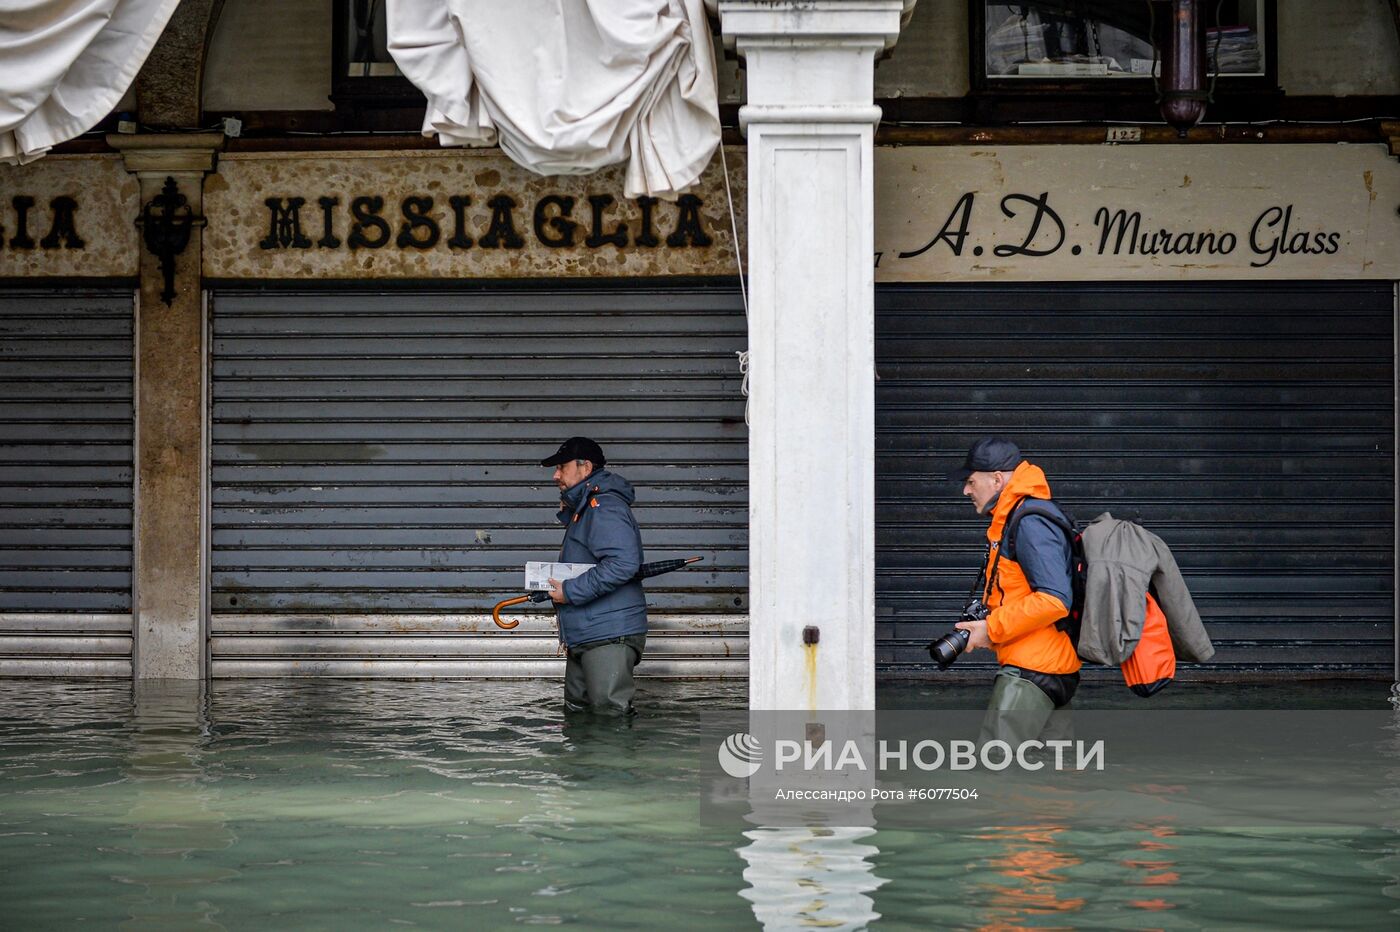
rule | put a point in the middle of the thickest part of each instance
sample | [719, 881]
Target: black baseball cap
[576, 448]
[990, 454]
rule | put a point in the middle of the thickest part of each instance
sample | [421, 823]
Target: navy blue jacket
[604, 603]
[1044, 554]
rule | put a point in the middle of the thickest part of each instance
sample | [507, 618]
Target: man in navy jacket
[603, 613]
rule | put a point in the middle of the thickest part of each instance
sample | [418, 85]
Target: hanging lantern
[1183, 88]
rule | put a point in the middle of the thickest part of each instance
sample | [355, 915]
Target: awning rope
[743, 290]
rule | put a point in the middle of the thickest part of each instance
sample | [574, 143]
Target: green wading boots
[598, 676]
[1021, 711]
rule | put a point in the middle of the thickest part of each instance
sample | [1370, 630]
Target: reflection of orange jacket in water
[1021, 624]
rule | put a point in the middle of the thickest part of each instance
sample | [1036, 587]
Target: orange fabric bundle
[1153, 662]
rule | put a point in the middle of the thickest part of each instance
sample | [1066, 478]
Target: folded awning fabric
[568, 86]
[64, 64]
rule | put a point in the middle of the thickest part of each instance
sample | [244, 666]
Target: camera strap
[992, 579]
[991, 575]
[979, 584]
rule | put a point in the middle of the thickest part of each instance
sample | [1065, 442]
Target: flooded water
[369, 805]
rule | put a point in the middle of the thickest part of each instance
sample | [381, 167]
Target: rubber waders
[1018, 710]
[599, 676]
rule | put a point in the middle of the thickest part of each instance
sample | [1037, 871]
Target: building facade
[275, 400]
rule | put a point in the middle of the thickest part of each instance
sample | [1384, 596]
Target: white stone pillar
[810, 121]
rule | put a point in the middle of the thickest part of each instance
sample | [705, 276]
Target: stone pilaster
[810, 121]
[169, 600]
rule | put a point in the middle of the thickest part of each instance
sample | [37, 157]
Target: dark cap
[576, 448]
[990, 454]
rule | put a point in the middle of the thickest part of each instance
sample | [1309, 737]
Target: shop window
[1101, 46]
[365, 73]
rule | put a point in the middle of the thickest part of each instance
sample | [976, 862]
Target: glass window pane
[1108, 38]
[366, 40]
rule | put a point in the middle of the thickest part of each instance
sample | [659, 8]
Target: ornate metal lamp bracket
[166, 222]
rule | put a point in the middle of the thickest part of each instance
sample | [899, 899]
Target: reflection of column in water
[1390, 753]
[170, 818]
[810, 877]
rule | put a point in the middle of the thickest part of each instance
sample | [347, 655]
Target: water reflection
[811, 877]
[1389, 865]
[171, 819]
[1029, 875]
[362, 805]
[1157, 867]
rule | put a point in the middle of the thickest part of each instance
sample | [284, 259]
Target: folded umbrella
[645, 571]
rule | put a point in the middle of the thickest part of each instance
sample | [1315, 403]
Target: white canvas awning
[64, 64]
[568, 86]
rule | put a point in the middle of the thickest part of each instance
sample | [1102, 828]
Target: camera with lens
[947, 648]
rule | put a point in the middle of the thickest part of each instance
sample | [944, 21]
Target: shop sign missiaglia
[454, 214]
[420, 227]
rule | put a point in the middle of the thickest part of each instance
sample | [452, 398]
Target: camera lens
[946, 649]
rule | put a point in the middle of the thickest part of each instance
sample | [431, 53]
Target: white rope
[743, 291]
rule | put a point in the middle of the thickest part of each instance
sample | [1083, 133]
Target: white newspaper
[538, 575]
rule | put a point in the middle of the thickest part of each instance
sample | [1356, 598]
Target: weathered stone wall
[104, 205]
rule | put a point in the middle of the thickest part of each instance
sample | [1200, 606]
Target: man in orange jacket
[1026, 595]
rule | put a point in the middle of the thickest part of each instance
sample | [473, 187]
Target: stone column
[169, 598]
[810, 122]
[1391, 131]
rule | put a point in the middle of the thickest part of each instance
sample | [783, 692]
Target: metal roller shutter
[376, 478]
[65, 482]
[1250, 425]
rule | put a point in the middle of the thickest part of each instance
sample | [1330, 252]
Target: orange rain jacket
[1021, 625]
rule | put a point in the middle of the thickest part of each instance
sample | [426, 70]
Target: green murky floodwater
[372, 805]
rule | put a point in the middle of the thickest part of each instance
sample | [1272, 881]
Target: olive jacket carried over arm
[605, 602]
[1123, 560]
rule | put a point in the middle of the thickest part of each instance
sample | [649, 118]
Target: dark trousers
[598, 676]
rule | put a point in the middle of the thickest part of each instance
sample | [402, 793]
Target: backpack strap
[1040, 507]
[1028, 507]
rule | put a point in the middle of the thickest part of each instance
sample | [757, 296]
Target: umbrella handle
[496, 612]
